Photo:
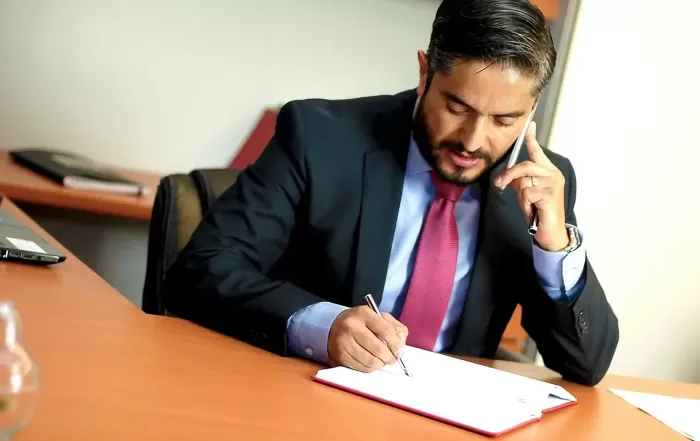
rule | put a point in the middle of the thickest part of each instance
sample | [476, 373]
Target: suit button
[583, 322]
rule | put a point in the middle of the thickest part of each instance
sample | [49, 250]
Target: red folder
[258, 139]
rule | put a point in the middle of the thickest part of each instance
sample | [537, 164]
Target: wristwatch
[574, 239]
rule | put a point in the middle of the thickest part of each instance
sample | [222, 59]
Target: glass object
[19, 376]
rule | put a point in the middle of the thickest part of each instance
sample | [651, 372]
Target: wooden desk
[110, 372]
[24, 185]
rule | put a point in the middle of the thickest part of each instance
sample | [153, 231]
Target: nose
[474, 134]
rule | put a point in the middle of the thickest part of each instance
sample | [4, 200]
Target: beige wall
[171, 85]
[628, 118]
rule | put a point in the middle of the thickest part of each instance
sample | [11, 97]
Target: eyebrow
[457, 100]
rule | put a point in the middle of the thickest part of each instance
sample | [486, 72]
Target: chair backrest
[181, 202]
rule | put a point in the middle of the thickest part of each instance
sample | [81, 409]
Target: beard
[430, 152]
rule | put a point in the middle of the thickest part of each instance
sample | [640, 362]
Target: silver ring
[533, 181]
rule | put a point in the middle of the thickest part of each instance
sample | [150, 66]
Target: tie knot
[444, 189]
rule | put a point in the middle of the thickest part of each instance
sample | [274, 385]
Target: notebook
[454, 391]
[75, 171]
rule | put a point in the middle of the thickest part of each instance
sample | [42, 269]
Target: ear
[423, 72]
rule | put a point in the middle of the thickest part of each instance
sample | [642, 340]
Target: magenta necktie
[434, 271]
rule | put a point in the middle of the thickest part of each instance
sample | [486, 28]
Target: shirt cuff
[561, 274]
[308, 328]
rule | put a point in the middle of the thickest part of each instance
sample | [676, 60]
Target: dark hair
[513, 33]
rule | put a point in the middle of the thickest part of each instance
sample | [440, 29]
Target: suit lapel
[382, 183]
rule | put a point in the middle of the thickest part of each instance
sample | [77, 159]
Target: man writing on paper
[399, 196]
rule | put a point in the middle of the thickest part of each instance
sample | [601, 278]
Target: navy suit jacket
[313, 219]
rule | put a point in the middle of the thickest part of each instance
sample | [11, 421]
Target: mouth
[464, 159]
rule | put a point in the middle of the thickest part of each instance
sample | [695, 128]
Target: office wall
[627, 117]
[170, 85]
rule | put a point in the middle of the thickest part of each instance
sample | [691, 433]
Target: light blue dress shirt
[560, 273]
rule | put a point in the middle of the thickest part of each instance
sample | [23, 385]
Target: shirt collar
[416, 163]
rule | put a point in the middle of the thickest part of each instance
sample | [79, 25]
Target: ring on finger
[533, 181]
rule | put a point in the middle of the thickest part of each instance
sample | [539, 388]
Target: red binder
[257, 140]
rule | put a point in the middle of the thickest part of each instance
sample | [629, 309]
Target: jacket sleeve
[577, 338]
[219, 280]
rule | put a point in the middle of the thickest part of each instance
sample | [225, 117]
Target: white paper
[680, 414]
[26, 245]
[464, 393]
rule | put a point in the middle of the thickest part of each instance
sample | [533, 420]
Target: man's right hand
[354, 339]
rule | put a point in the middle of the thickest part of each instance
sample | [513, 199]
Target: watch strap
[574, 238]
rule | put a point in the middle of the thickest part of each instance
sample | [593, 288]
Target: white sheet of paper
[26, 245]
[680, 414]
[455, 390]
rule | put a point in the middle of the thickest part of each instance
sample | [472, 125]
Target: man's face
[468, 119]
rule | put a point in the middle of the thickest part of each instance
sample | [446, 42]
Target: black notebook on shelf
[75, 171]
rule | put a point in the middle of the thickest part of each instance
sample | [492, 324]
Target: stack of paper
[465, 394]
[680, 414]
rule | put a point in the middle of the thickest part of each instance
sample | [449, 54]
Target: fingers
[377, 353]
[354, 363]
[530, 197]
[354, 356]
[527, 168]
[383, 329]
[534, 149]
[538, 165]
[538, 181]
[362, 340]
[400, 328]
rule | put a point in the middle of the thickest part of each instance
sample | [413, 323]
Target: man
[399, 196]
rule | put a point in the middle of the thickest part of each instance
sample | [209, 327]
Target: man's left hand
[539, 185]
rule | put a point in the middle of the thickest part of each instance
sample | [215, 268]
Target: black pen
[373, 306]
[532, 229]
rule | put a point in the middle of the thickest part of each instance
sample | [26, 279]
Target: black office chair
[180, 204]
